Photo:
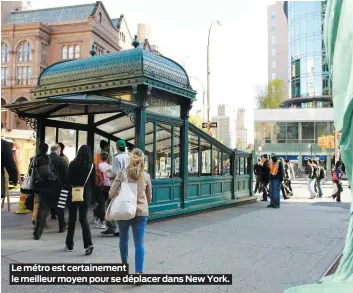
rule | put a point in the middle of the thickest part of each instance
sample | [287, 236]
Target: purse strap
[88, 175]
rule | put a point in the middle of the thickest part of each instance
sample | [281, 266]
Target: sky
[238, 48]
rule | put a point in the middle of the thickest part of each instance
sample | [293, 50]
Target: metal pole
[203, 97]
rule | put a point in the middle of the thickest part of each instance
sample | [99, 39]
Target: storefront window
[68, 138]
[216, 161]
[226, 164]
[205, 157]
[193, 158]
[50, 136]
[308, 132]
[176, 152]
[241, 166]
[163, 149]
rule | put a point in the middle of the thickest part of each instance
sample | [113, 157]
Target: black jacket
[257, 169]
[8, 163]
[265, 176]
[77, 176]
[49, 191]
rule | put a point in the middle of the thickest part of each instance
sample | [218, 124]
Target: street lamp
[203, 97]
[208, 70]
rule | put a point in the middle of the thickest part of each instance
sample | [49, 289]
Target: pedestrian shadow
[342, 205]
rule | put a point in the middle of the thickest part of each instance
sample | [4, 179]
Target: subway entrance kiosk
[144, 99]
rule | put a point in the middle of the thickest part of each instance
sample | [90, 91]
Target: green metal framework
[144, 99]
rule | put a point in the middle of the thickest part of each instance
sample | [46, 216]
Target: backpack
[46, 172]
[99, 177]
[322, 173]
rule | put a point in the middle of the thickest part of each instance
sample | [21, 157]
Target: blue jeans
[275, 187]
[138, 231]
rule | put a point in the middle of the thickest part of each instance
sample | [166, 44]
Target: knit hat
[121, 143]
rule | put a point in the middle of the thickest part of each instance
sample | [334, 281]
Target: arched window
[71, 52]
[4, 53]
[3, 113]
[77, 52]
[19, 123]
[100, 17]
[24, 52]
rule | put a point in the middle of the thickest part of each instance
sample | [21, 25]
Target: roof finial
[92, 51]
[135, 42]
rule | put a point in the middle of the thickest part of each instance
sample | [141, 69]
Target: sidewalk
[266, 250]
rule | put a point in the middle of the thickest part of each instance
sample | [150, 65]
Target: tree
[272, 95]
[193, 120]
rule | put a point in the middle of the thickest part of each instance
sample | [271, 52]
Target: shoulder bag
[124, 204]
[77, 191]
[27, 184]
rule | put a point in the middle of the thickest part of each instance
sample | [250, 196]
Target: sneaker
[89, 250]
[96, 220]
[270, 206]
[101, 225]
[117, 234]
[68, 250]
[109, 231]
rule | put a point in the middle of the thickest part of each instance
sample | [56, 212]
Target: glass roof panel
[114, 126]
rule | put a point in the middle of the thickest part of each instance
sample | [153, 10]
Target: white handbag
[123, 206]
[27, 184]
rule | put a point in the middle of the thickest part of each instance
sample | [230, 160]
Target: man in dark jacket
[257, 173]
[265, 177]
[49, 189]
[276, 178]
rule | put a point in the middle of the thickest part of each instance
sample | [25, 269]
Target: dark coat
[77, 176]
[49, 191]
[8, 163]
[265, 172]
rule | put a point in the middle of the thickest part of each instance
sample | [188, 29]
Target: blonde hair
[137, 164]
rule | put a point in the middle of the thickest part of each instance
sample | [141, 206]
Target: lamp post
[208, 70]
[203, 97]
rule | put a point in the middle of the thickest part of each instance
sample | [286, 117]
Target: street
[266, 250]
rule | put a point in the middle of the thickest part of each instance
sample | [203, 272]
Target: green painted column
[90, 133]
[233, 172]
[251, 170]
[40, 133]
[140, 128]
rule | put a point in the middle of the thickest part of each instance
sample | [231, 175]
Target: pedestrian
[104, 149]
[8, 164]
[265, 177]
[81, 173]
[337, 180]
[276, 178]
[311, 179]
[120, 162]
[134, 174]
[284, 190]
[257, 173]
[62, 147]
[49, 178]
[321, 175]
[289, 175]
[106, 169]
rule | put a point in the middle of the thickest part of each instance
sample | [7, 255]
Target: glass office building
[308, 81]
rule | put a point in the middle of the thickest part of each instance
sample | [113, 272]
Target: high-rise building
[225, 131]
[293, 131]
[277, 43]
[34, 39]
[241, 131]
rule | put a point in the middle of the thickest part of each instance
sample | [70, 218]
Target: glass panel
[226, 164]
[308, 132]
[117, 125]
[97, 139]
[163, 107]
[292, 132]
[176, 151]
[68, 138]
[163, 148]
[99, 117]
[193, 157]
[149, 149]
[77, 51]
[82, 139]
[50, 136]
[71, 52]
[216, 161]
[241, 166]
[64, 53]
[206, 157]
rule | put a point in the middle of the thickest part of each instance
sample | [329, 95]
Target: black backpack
[44, 172]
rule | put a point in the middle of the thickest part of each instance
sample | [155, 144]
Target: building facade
[277, 43]
[34, 39]
[226, 125]
[293, 131]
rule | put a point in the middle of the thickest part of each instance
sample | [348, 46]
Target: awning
[66, 105]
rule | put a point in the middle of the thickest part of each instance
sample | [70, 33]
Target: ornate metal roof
[128, 67]
[50, 15]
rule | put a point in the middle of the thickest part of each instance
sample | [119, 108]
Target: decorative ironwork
[129, 113]
[31, 122]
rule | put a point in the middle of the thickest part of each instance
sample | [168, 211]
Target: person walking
[257, 173]
[284, 189]
[289, 175]
[276, 178]
[134, 174]
[265, 177]
[8, 164]
[321, 175]
[311, 179]
[106, 169]
[120, 162]
[81, 173]
[337, 180]
[49, 177]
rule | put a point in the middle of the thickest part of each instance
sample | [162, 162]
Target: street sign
[212, 125]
